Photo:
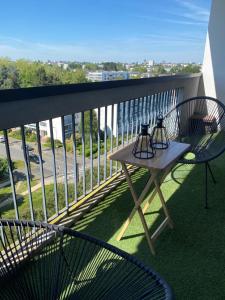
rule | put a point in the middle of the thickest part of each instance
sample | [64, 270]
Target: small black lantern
[159, 135]
[142, 147]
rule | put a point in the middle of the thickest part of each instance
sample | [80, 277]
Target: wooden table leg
[163, 203]
[140, 199]
[138, 208]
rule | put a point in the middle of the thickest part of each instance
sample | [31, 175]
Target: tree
[158, 70]
[140, 69]
[74, 66]
[91, 67]
[87, 126]
[9, 77]
[191, 68]
[3, 167]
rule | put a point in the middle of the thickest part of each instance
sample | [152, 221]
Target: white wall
[214, 57]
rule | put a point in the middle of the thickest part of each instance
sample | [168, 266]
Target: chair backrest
[199, 121]
[42, 261]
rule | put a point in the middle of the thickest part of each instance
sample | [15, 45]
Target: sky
[104, 30]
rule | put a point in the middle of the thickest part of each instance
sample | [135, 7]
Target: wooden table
[162, 163]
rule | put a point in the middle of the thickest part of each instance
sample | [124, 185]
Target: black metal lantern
[159, 135]
[142, 147]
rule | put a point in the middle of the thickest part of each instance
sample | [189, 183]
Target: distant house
[107, 75]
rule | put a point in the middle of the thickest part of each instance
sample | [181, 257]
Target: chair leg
[206, 186]
[211, 173]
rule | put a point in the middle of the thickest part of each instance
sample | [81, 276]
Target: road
[17, 154]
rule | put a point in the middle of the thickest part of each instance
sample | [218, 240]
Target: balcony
[71, 182]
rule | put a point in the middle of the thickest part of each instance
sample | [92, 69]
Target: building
[107, 75]
[57, 127]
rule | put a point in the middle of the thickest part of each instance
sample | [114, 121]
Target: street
[17, 154]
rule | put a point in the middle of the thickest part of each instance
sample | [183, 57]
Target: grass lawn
[191, 256]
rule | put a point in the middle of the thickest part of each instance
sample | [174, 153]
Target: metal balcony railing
[93, 119]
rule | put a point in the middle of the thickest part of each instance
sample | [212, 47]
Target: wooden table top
[161, 160]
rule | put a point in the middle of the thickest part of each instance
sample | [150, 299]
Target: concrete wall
[213, 81]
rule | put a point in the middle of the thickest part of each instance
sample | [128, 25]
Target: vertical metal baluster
[10, 167]
[41, 172]
[157, 105]
[65, 162]
[148, 109]
[83, 153]
[27, 170]
[111, 142]
[105, 145]
[167, 101]
[122, 122]
[54, 166]
[145, 109]
[117, 130]
[170, 105]
[160, 102]
[91, 149]
[75, 170]
[152, 110]
[99, 150]
[137, 117]
[164, 100]
[132, 118]
[2, 236]
[140, 114]
[128, 120]
[155, 108]
[174, 97]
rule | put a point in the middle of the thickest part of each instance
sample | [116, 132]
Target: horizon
[169, 30]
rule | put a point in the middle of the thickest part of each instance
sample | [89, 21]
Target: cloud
[193, 11]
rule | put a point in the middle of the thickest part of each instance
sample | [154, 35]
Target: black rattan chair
[42, 261]
[199, 121]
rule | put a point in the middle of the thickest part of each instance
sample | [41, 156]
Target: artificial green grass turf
[191, 256]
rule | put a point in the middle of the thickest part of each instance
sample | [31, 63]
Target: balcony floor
[191, 256]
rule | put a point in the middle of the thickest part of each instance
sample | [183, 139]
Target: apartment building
[57, 127]
[107, 75]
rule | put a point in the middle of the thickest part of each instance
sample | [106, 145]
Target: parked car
[28, 147]
[34, 158]
[2, 139]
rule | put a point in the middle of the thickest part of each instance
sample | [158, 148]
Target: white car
[2, 139]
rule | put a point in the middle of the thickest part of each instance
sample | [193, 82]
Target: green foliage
[58, 144]
[112, 66]
[30, 136]
[16, 134]
[24, 73]
[140, 69]
[185, 70]
[75, 65]
[91, 67]
[47, 143]
[87, 125]
[9, 77]
[18, 164]
[158, 70]
[3, 168]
